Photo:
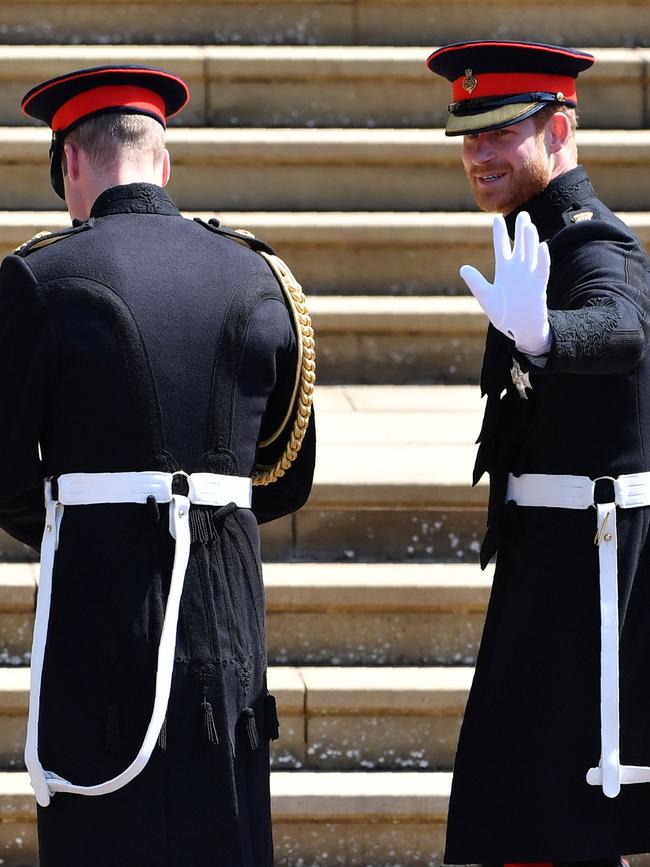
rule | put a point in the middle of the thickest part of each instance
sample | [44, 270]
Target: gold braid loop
[303, 394]
[35, 237]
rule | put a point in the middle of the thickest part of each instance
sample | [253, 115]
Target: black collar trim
[136, 198]
[573, 188]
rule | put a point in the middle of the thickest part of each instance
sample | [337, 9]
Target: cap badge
[470, 81]
[560, 97]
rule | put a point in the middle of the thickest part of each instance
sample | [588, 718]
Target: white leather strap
[577, 492]
[53, 514]
[541, 490]
[93, 488]
[606, 540]
[629, 774]
[205, 489]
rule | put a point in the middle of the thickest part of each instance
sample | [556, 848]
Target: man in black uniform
[566, 440]
[152, 366]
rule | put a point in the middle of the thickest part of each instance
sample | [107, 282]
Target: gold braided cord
[303, 394]
[35, 237]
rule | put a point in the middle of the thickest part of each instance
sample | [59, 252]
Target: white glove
[516, 302]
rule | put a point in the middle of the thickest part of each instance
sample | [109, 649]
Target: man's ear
[558, 132]
[166, 168]
[71, 160]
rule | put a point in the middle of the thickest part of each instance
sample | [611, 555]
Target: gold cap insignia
[470, 81]
[560, 97]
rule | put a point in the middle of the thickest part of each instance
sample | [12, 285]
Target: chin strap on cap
[56, 169]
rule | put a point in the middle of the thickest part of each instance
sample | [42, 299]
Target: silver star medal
[520, 379]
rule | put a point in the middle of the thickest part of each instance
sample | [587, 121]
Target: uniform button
[181, 513]
[608, 537]
[49, 528]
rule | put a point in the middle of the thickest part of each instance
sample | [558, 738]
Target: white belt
[577, 492]
[207, 489]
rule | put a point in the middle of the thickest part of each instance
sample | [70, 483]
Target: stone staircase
[310, 128]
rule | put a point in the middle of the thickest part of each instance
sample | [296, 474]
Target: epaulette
[243, 236]
[44, 239]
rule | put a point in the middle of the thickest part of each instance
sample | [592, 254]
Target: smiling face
[507, 167]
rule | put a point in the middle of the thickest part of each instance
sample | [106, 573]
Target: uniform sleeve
[598, 301]
[290, 492]
[26, 352]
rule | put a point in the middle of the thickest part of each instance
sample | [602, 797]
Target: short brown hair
[109, 138]
[543, 116]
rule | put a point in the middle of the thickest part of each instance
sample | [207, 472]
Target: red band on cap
[141, 99]
[487, 84]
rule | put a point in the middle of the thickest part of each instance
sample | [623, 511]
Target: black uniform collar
[572, 188]
[136, 198]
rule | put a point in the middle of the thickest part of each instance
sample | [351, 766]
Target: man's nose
[482, 151]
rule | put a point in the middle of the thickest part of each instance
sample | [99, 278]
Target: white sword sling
[205, 489]
[578, 492]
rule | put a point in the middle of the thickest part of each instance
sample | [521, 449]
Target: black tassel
[162, 737]
[200, 528]
[154, 511]
[113, 729]
[210, 735]
[206, 525]
[251, 728]
[271, 721]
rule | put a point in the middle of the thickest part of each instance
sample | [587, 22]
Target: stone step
[350, 253]
[375, 613]
[392, 482]
[361, 818]
[316, 86]
[331, 718]
[325, 169]
[17, 599]
[393, 478]
[365, 22]
[327, 613]
[383, 718]
[398, 340]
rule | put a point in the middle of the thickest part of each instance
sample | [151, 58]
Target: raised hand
[516, 302]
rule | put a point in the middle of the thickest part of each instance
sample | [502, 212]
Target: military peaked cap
[498, 83]
[68, 100]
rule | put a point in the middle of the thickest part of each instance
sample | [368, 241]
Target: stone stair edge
[17, 587]
[414, 588]
[350, 4]
[369, 795]
[311, 796]
[334, 227]
[396, 315]
[404, 495]
[322, 21]
[327, 587]
[386, 691]
[318, 145]
[325, 690]
[217, 62]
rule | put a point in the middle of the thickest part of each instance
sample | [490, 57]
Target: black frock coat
[146, 341]
[531, 729]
